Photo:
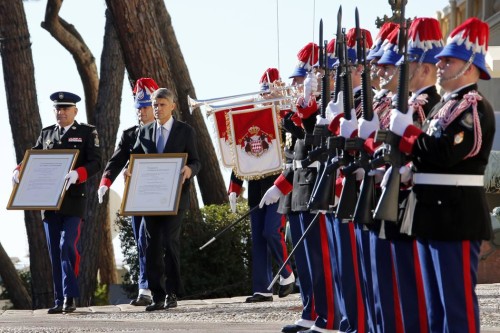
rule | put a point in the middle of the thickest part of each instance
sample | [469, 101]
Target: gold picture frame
[41, 180]
[154, 187]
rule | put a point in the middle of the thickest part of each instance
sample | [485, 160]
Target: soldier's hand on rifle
[335, 108]
[348, 127]
[378, 174]
[232, 201]
[271, 196]
[400, 121]
[406, 173]
[321, 121]
[15, 177]
[310, 85]
[305, 111]
[367, 127]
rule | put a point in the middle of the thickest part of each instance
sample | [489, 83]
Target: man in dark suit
[144, 87]
[167, 135]
[62, 227]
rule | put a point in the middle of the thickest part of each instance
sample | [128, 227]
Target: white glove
[347, 127]
[400, 121]
[310, 85]
[378, 174]
[101, 191]
[321, 121]
[232, 201]
[367, 127]
[271, 196]
[334, 108]
[15, 177]
[360, 174]
[404, 171]
[72, 177]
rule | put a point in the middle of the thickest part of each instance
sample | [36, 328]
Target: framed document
[41, 180]
[155, 185]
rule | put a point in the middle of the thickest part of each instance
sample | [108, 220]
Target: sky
[227, 45]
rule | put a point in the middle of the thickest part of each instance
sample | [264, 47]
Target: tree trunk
[95, 240]
[26, 124]
[159, 57]
[18, 294]
[210, 180]
[98, 243]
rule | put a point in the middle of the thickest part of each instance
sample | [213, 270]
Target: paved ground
[198, 316]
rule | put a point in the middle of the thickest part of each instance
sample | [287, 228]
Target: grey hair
[163, 93]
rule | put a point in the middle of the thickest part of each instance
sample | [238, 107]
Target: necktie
[160, 144]
[61, 132]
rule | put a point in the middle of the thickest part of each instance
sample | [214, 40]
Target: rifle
[347, 202]
[322, 194]
[388, 205]
[363, 213]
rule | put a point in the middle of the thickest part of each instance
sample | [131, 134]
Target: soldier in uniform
[424, 42]
[62, 227]
[143, 89]
[447, 207]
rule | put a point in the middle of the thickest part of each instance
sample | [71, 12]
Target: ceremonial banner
[221, 129]
[223, 136]
[256, 142]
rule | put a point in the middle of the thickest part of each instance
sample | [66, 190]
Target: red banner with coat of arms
[256, 142]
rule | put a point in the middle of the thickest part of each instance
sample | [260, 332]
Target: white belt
[298, 165]
[288, 165]
[448, 179]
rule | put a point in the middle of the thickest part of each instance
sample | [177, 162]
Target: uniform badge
[467, 121]
[459, 137]
[75, 140]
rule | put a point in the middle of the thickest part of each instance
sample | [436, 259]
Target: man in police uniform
[143, 89]
[449, 213]
[62, 227]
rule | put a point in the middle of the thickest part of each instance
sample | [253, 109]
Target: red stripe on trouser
[314, 315]
[469, 306]
[77, 254]
[359, 297]
[398, 316]
[328, 276]
[284, 249]
[422, 310]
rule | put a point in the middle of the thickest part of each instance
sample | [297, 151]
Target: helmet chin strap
[462, 71]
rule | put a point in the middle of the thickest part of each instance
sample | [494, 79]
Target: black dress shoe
[171, 301]
[69, 304]
[142, 300]
[259, 298]
[286, 289]
[293, 328]
[155, 306]
[55, 309]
